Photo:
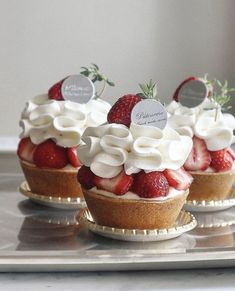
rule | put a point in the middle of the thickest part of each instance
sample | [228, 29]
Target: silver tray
[38, 238]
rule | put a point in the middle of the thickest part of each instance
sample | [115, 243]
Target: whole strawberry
[85, 177]
[55, 91]
[50, 155]
[121, 110]
[221, 160]
[150, 185]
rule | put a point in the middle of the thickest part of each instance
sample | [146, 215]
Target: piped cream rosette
[200, 121]
[63, 121]
[108, 148]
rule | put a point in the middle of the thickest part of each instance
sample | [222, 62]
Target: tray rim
[28, 261]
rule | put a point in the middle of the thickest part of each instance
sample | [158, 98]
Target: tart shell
[52, 182]
[134, 214]
[211, 186]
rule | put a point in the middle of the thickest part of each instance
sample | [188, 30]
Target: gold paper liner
[229, 201]
[25, 190]
[184, 223]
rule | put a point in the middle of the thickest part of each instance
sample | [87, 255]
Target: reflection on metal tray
[38, 238]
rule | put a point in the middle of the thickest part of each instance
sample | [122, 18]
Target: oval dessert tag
[78, 88]
[192, 93]
[149, 112]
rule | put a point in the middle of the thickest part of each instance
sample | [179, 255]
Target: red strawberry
[175, 95]
[179, 179]
[199, 158]
[73, 158]
[85, 177]
[55, 91]
[150, 185]
[231, 152]
[221, 160]
[26, 149]
[118, 185]
[121, 110]
[50, 155]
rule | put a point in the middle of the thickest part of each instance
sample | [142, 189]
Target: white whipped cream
[200, 121]
[63, 121]
[109, 147]
[132, 196]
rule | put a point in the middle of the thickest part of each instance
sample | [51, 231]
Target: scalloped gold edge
[179, 229]
[25, 190]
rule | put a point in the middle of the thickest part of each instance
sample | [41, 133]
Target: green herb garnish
[149, 90]
[93, 72]
[222, 97]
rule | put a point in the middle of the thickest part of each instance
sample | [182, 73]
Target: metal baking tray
[37, 238]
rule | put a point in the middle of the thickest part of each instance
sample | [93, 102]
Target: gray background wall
[132, 40]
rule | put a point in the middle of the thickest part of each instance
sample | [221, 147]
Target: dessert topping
[86, 177]
[150, 113]
[199, 157]
[62, 121]
[178, 179]
[221, 160]
[150, 185]
[78, 88]
[55, 91]
[118, 185]
[50, 155]
[191, 92]
[26, 149]
[93, 72]
[73, 157]
[109, 147]
[121, 110]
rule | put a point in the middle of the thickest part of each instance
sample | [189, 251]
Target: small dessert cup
[52, 182]
[211, 186]
[134, 214]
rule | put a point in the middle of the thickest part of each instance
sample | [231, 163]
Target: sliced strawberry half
[55, 91]
[118, 185]
[221, 160]
[26, 149]
[73, 157]
[231, 152]
[50, 155]
[85, 177]
[150, 185]
[178, 179]
[199, 157]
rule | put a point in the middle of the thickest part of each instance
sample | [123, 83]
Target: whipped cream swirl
[108, 148]
[201, 122]
[63, 121]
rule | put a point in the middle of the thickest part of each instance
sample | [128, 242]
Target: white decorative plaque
[78, 88]
[149, 112]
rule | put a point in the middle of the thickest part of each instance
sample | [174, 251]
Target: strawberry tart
[211, 161]
[52, 129]
[132, 175]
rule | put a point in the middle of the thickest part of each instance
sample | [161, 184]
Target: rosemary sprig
[224, 96]
[93, 72]
[149, 90]
[221, 98]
